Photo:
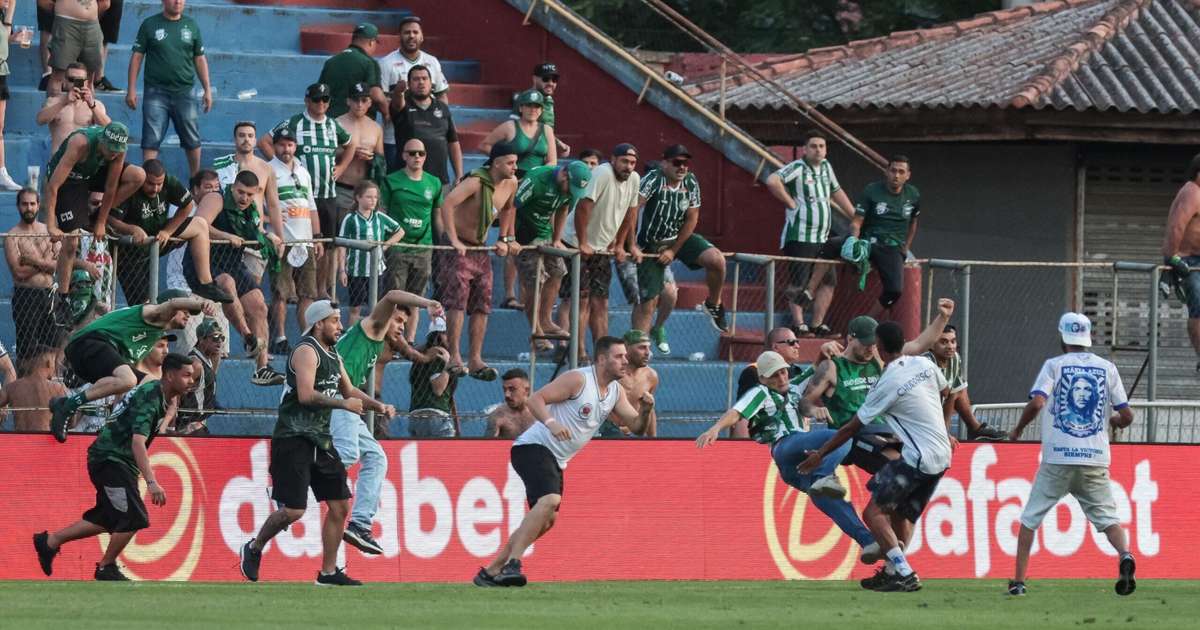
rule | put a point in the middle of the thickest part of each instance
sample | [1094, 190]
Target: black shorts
[538, 469]
[867, 450]
[297, 465]
[4, 87]
[110, 22]
[119, 507]
[359, 290]
[224, 260]
[800, 272]
[45, 19]
[92, 357]
[71, 209]
[903, 490]
[327, 212]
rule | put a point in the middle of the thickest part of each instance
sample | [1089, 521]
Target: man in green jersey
[945, 354]
[886, 216]
[359, 349]
[778, 416]
[114, 461]
[544, 198]
[413, 198]
[302, 452]
[103, 352]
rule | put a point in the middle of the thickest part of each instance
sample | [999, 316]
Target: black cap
[676, 150]
[170, 337]
[359, 90]
[624, 148]
[409, 19]
[283, 133]
[546, 69]
[316, 89]
[501, 149]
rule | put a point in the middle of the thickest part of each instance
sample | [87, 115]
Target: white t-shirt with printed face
[1081, 391]
[394, 67]
[908, 396]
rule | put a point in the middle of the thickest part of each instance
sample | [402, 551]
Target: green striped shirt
[952, 371]
[772, 416]
[377, 227]
[810, 220]
[666, 207]
[316, 147]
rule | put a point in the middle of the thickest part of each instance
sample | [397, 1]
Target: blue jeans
[354, 442]
[793, 449]
[180, 108]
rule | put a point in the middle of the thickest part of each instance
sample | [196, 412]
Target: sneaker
[212, 292]
[280, 346]
[483, 579]
[717, 313]
[874, 582]
[827, 486]
[104, 85]
[986, 434]
[360, 537]
[109, 573]
[337, 578]
[44, 552]
[900, 584]
[44, 82]
[658, 334]
[267, 376]
[871, 554]
[253, 346]
[1126, 583]
[250, 559]
[510, 574]
[6, 181]
[60, 417]
[1016, 588]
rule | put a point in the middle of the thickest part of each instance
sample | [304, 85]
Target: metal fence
[1173, 422]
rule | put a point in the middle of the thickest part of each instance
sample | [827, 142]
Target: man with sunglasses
[414, 199]
[205, 355]
[545, 80]
[782, 341]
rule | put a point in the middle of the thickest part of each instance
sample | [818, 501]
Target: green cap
[862, 329]
[207, 328]
[366, 30]
[115, 136]
[531, 97]
[171, 294]
[578, 177]
[634, 336]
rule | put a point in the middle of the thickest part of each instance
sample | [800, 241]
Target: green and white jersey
[772, 416]
[310, 423]
[295, 199]
[811, 187]
[358, 353]
[952, 371]
[316, 147]
[376, 227]
[666, 207]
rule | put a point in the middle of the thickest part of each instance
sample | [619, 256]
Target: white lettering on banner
[979, 490]
[389, 526]
[1011, 494]
[241, 491]
[1145, 492]
[479, 504]
[416, 492]
[952, 513]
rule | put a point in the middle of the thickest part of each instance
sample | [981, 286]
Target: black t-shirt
[433, 126]
[151, 213]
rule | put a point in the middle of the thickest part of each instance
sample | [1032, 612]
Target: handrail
[651, 76]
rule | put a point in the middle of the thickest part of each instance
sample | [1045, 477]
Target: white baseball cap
[316, 312]
[769, 363]
[437, 325]
[1076, 329]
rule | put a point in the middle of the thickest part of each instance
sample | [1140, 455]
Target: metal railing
[1160, 422]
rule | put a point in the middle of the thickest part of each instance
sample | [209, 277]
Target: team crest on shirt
[428, 195]
[1079, 400]
[437, 113]
[881, 208]
[160, 34]
[907, 209]
[586, 411]
[185, 33]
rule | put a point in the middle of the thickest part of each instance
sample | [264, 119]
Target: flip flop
[485, 374]
[457, 370]
[512, 304]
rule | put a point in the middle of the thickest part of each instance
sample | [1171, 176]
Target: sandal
[801, 330]
[485, 374]
[457, 371]
[512, 304]
[822, 331]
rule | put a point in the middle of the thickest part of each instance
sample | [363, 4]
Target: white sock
[896, 558]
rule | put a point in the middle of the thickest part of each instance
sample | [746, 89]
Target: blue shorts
[1192, 283]
[180, 108]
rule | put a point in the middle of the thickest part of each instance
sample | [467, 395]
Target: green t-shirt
[547, 117]
[125, 329]
[138, 413]
[666, 207]
[423, 396]
[310, 423]
[412, 203]
[92, 165]
[150, 213]
[854, 380]
[316, 146]
[886, 216]
[358, 353]
[342, 71]
[171, 48]
[771, 415]
[538, 198]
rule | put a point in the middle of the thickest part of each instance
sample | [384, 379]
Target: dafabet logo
[803, 542]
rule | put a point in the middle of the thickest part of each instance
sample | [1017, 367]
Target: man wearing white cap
[1083, 391]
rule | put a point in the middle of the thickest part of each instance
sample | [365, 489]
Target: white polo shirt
[394, 67]
[908, 396]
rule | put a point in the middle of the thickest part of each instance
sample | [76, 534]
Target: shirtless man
[510, 419]
[366, 141]
[34, 389]
[640, 383]
[76, 37]
[467, 276]
[1181, 249]
[245, 136]
[75, 107]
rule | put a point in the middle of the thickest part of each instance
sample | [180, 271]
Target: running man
[909, 394]
[1083, 390]
[104, 352]
[302, 452]
[569, 412]
[359, 349]
[779, 418]
[114, 462]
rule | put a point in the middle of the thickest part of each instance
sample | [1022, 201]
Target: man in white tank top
[569, 412]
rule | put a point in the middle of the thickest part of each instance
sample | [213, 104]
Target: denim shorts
[1192, 282]
[180, 108]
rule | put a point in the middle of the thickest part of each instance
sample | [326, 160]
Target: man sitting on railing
[1181, 249]
[945, 354]
[886, 216]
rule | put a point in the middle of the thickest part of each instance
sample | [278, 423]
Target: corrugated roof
[1122, 55]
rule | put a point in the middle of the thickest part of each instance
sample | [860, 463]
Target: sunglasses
[679, 163]
[320, 99]
[415, 153]
[549, 79]
[790, 342]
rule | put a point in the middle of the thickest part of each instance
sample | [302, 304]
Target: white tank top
[581, 414]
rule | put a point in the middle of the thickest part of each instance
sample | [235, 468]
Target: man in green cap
[544, 198]
[355, 64]
[89, 159]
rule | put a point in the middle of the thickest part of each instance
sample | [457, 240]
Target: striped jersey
[810, 220]
[316, 147]
[771, 415]
[666, 207]
[377, 227]
[295, 199]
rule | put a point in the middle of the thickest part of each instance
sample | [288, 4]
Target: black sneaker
[510, 574]
[280, 346]
[1126, 583]
[483, 579]
[250, 559]
[875, 581]
[898, 584]
[44, 82]
[60, 417]
[986, 434]
[360, 537]
[266, 376]
[1016, 588]
[104, 85]
[717, 313]
[213, 292]
[253, 346]
[44, 552]
[337, 578]
[109, 573]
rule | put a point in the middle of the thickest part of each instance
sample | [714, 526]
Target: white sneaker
[871, 554]
[827, 486]
[6, 181]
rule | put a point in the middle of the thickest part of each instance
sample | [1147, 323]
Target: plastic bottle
[246, 95]
[696, 356]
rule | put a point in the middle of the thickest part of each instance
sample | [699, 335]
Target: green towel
[377, 171]
[487, 213]
[858, 253]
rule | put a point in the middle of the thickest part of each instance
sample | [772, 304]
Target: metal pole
[737, 273]
[573, 350]
[964, 348]
[153, 280]
[372, 300]
[1152, 378]
[769, 323]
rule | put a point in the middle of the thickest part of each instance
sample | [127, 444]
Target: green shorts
[75, 40]
[650, 273]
